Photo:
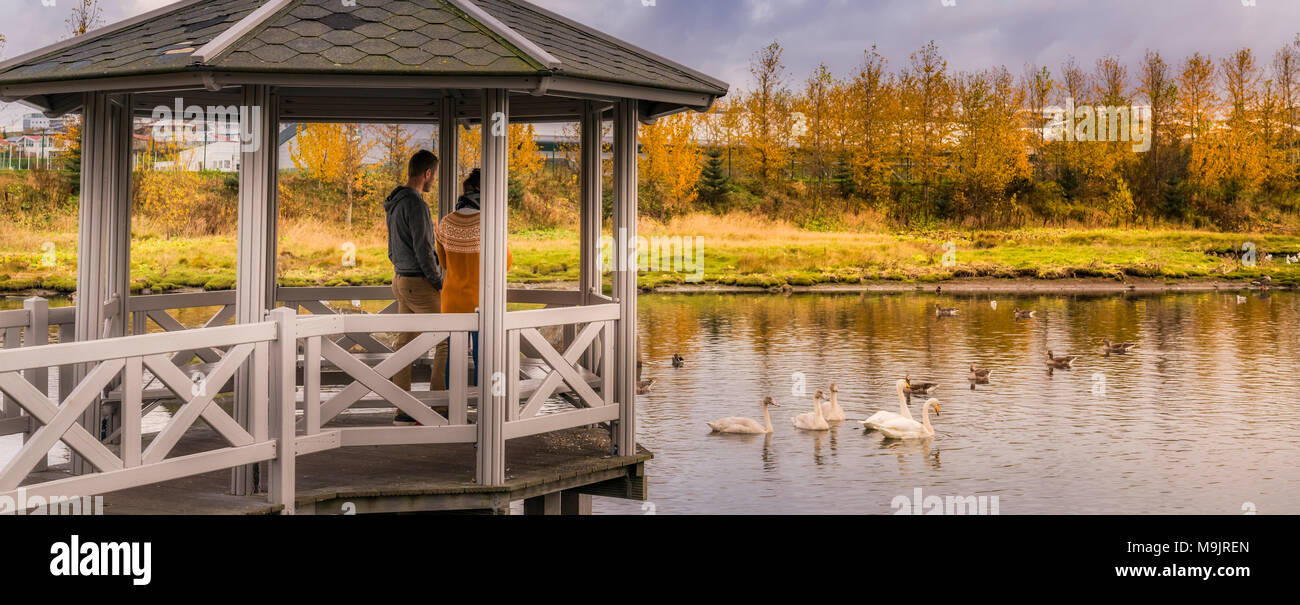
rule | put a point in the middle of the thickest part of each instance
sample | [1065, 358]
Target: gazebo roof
[323, 38]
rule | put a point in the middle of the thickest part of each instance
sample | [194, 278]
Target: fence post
[38, 334]
[283, 399]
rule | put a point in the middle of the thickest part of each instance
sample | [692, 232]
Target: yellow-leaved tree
[670, 166]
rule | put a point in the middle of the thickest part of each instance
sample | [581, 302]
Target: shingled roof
[375, 37]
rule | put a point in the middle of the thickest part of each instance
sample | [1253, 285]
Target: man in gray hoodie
[417, 284]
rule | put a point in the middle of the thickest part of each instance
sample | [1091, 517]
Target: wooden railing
[549, 386]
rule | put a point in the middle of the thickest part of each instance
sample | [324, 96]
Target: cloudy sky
[720, 36]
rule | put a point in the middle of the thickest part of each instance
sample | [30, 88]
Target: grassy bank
[739, 250]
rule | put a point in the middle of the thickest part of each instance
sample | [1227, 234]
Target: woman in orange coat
[459, 245]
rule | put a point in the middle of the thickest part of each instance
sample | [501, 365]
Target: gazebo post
[118, 259]
[105, 137]
[255, 267]
[625, 272]
[589, 280]
[493, 365]
[448, 152]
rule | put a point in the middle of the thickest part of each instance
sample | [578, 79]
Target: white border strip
[223, 41]
[98, 33]
[536, 52]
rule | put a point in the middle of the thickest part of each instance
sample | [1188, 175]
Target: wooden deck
[398, 479]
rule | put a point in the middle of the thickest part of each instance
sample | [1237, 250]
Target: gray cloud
[720, 36]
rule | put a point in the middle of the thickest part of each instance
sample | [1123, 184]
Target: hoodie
[411, 245]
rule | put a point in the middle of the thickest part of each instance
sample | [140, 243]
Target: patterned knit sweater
[459, 238]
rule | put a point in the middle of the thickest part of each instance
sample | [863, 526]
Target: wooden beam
[448, 155]
[493, 362]
[256, 251]
[625, 273]
[218, 45]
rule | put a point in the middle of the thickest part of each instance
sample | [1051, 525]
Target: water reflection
[1198, 419]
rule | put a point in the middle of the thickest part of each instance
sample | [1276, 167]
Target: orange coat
[460, 243]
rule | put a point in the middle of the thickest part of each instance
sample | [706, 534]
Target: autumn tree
[767, 124]
[394, 142]
[990, 154]
[86, 15]
[1157, 85]
[670, 167]
[819, 136]
[867, 132]
[927, 97]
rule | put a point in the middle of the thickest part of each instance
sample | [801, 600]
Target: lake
[1201, 418]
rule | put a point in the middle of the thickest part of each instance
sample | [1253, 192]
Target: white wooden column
[589, 280]
[104, 139]
[118, 260]
[494, 367]
[625, 273]
[448, 156]
[255, 265]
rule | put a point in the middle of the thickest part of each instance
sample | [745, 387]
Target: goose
[645, 386]
[1118, 348]
[1263, 282]
[1025, 314]
[747, 426]
[920, 388]
[678, 361]
[910, 429]
[1061, 363]
[978, 375]
[940, 311]
[880, 418]
[831, 409]
[814, 420]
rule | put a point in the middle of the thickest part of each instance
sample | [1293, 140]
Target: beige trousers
[415, 295]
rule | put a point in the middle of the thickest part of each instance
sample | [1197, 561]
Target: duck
[906, 428]
[940, 311]
[814, 420]
[979, 375]
[880, 418]
[678, 361]
[1025, 314]
[1060, 363]
[1118, 348]
[831, 410]
[747, 426]
[645, 386]
[920, 388]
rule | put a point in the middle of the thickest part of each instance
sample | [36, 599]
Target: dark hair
[422, 162]
[474, 182]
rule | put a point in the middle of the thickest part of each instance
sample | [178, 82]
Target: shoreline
[977, 285]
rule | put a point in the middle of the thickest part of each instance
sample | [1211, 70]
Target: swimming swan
[831, 409]
[880, 418]
[814, 420]
[911, 429]
[747, 426]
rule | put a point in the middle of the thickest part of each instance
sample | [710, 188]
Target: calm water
[1201, 419]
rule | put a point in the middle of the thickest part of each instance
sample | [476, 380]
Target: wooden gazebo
[444, 62]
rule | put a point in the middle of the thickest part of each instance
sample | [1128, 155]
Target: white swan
[831, 409]
[880, 418]
[747, 426]
[906, 428]
[814, 420]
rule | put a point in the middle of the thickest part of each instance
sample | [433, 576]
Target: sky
[719, 37]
